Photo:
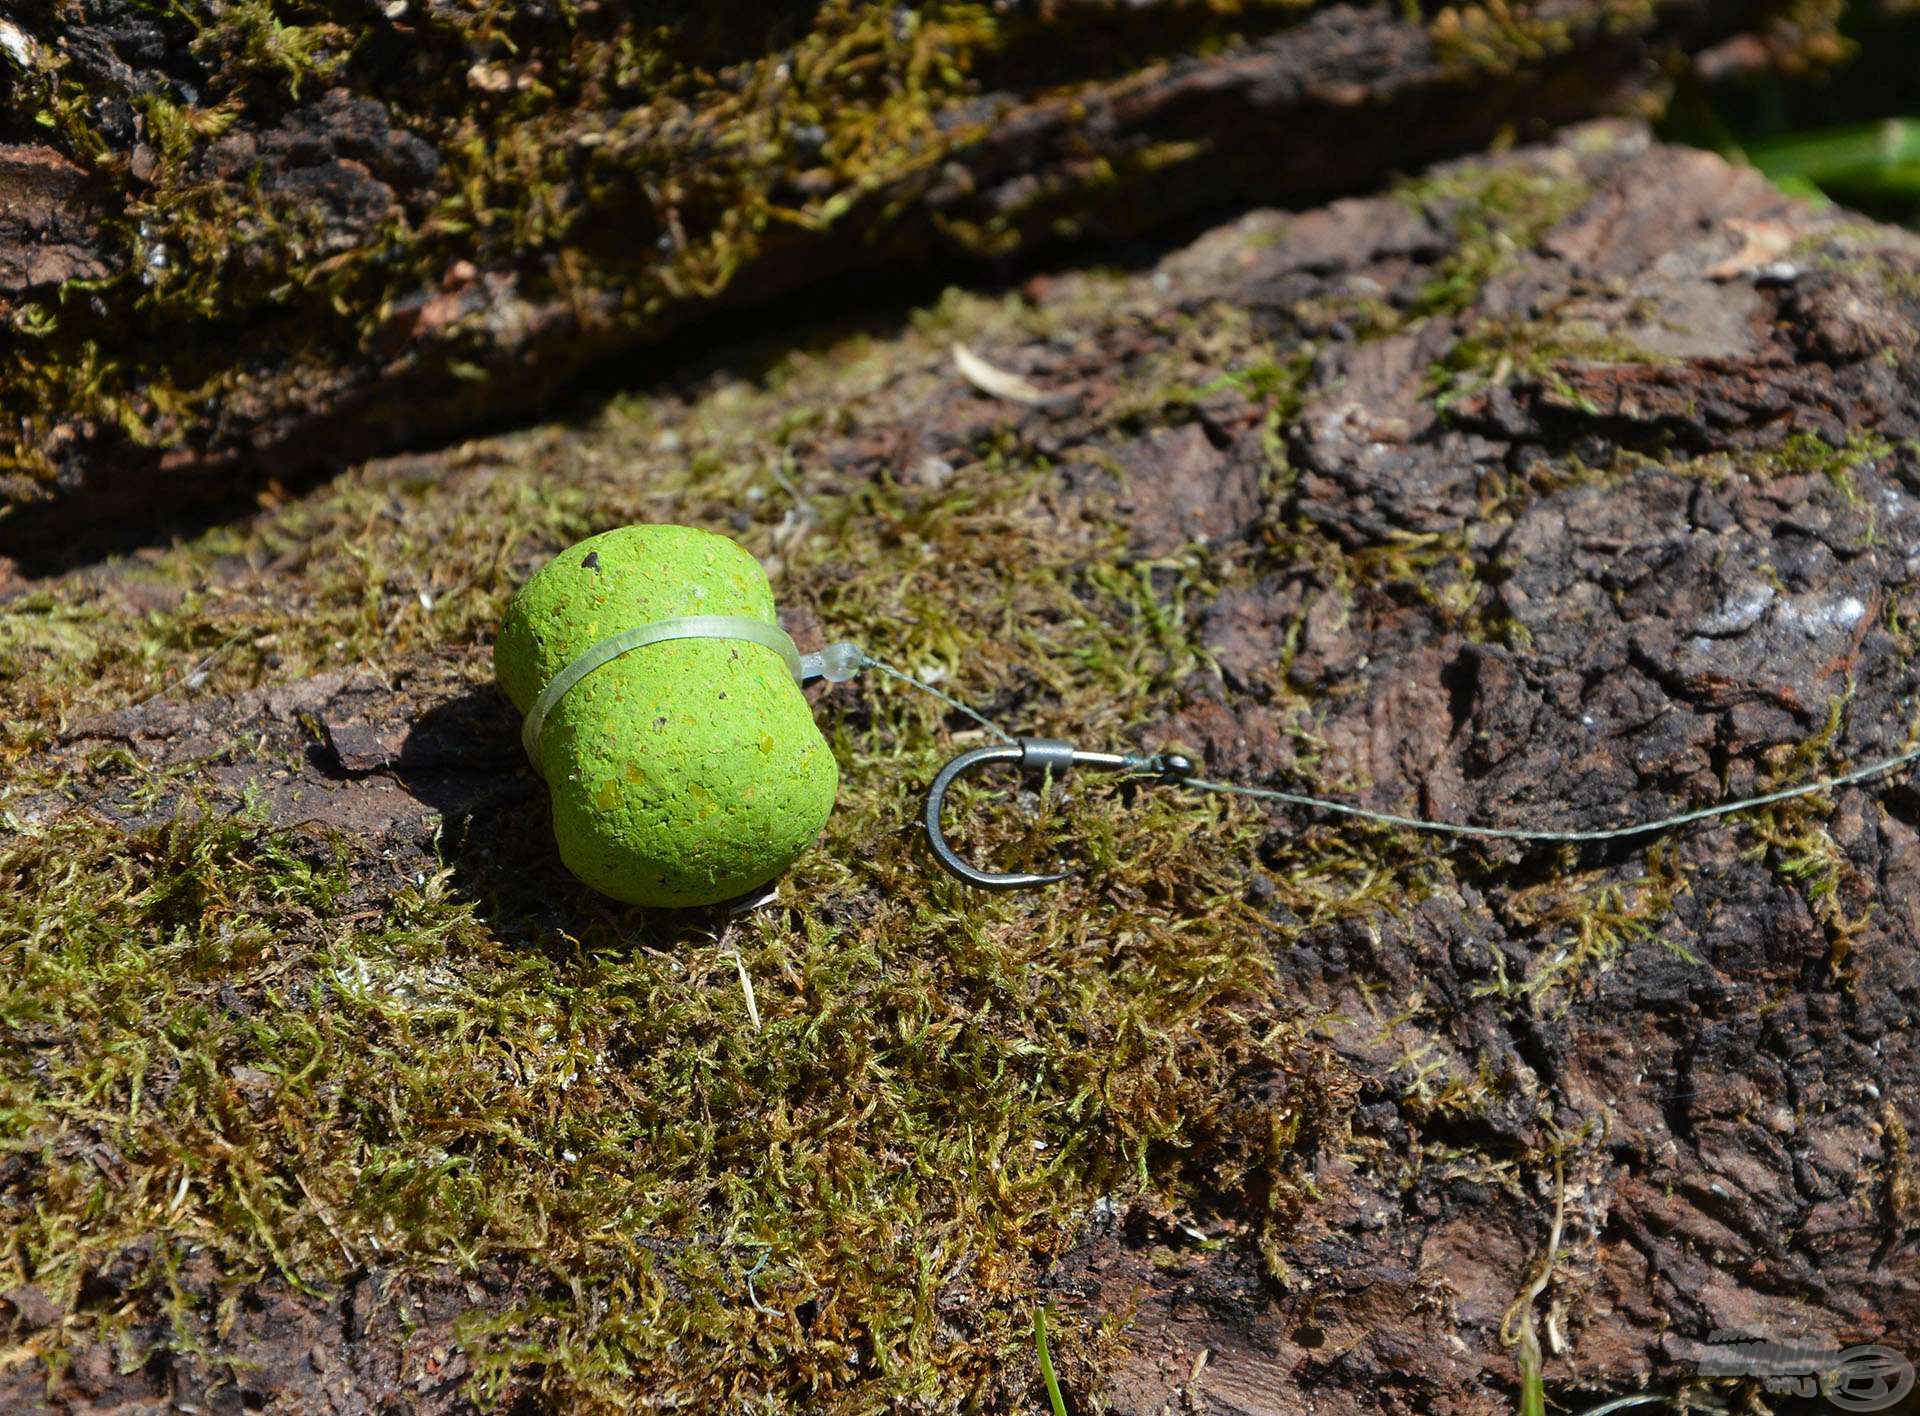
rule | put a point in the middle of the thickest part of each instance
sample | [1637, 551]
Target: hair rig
[662, 705]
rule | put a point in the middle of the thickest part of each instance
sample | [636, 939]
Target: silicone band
[753, 631]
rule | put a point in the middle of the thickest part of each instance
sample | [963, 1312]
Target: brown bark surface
[240, 244]
[1649, 474]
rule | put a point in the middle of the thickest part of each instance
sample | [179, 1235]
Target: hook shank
[1037, 755]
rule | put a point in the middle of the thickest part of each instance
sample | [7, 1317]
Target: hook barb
[1031, 755]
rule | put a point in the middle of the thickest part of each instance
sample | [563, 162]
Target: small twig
[754, 1298]
[196, 675]
[326, 1220]
[724, 940]
[996, 382]
[1516, 1328]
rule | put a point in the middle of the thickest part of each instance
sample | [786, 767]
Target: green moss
[1500, 38]
[1494, 353]
[1584, 920]
[1793, 838]
[303, 1063]
[252, 42]
[1810, 455]
[307, 1053]
[915, 1105]
[1494, 212]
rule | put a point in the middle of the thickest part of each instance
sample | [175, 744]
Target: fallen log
[244, 241]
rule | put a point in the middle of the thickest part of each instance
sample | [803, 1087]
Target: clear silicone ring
[659, 631]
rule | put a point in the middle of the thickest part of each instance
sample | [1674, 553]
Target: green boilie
[685, 772]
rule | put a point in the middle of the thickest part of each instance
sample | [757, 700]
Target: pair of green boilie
[683, 771]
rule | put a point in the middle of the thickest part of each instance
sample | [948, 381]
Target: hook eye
[1032, 755]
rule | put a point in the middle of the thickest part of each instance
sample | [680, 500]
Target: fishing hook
[1037, 755]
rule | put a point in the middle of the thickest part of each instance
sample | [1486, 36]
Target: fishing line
[867, 661]
[1048, 754]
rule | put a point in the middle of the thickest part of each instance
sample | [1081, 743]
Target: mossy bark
[246, 239]
[1571, 487]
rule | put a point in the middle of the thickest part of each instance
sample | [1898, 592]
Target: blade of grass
[1533, 1387]
[1899, 183]
[1054, 1398]
[1799, 187]
[1826, 156]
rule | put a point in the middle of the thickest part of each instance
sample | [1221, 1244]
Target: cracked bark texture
[1608, 530]
[242, 242]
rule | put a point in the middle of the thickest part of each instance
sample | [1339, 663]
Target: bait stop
[662, 705]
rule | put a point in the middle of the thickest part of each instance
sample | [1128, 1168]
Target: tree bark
[242, 241]
[1600, 500]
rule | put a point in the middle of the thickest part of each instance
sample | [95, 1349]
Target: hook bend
[1036, 755]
